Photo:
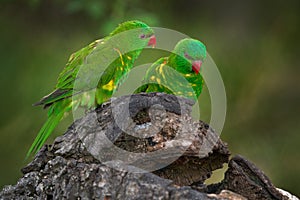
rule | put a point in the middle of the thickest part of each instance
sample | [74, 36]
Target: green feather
[89, 61]
[175, 74]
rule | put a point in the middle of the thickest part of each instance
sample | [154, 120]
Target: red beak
[196, 66]
[152, 41]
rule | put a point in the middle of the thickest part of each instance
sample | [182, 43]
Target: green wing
[66, 79]
[90, 77]
[161, 77]
[94, 88]
[152, 79]
[67, 76]
[58, 101]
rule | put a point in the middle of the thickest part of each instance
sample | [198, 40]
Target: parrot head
[189, 55]
[139, 33]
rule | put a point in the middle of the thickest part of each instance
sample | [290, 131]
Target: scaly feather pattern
[177, 74]
[95, 82]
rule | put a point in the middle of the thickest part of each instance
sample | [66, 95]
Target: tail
[55, 114]
[55, 96]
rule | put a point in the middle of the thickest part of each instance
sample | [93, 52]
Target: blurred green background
[254, 43]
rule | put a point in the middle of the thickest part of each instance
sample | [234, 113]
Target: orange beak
[152, 41]
[196, 66]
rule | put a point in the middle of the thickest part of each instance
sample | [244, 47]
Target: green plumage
[176, 74]
[95, 82]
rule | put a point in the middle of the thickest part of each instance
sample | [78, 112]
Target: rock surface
[183, 153]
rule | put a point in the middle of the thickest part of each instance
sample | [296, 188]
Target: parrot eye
[187, 56]
[142, 36]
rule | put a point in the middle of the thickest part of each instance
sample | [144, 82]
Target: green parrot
[177, 74]
[86, 81]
